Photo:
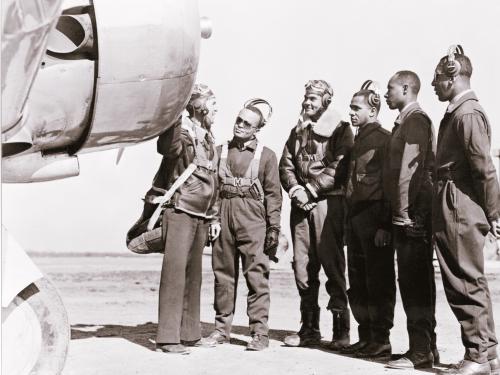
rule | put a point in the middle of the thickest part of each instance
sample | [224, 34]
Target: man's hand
[495, 228]
[300, 197]
[382, 238]
[309, 206]
[213, 232]
[271, 244]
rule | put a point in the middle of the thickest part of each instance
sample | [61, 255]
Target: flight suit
[467, 197]
[250, 204]
[315, 158]
[185, 224]
[372, 285]
[409, 170]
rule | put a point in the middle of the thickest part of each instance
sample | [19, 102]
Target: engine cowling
[114, 74]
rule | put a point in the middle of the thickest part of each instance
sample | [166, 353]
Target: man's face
[246, 125]
[211, 106]
[442, 85]
[312, 104]
[361, 113]
[394, 96]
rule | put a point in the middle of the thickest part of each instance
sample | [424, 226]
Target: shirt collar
[405, 112]
[248, 145]
[459, 99]
[196, 131]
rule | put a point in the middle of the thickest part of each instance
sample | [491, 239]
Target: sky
[268, 49]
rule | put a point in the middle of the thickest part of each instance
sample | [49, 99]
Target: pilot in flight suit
[466, 206]
[185, 222]
[313, 171]
[370, 256]
[410, 164]
[250, 209]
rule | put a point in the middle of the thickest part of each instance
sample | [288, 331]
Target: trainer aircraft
[79, 76]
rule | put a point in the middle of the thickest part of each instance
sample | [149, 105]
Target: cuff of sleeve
[400, 221]
[312, 190]
[292, 190]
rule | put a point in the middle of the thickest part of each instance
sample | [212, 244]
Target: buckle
[236, 181]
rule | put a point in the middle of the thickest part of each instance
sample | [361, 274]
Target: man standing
[313, 170]
[250, 208]
[372, 291]
[410, 164]
[466, 207]
[186, 221]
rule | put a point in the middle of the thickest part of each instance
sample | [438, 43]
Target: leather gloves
[271, 244]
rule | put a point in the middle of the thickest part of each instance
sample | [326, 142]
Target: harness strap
[254, 165]
[251, 178]
[237, 181]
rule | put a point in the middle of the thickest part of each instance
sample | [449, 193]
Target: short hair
[374, 102]
[463, 60]
[409, 78]
[258, 112]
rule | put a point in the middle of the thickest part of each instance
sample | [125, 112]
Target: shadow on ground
[144, 334]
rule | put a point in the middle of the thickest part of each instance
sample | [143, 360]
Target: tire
[35, 332]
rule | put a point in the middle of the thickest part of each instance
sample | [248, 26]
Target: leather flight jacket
[316, 156]
[198, 195]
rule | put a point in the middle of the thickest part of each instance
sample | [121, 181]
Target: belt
[226, 194]
[238, 181]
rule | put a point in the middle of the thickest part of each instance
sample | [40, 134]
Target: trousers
[317, 238]
[460, 229]
[417, 287]
[243, 233]
[180, 282]
[372, 281]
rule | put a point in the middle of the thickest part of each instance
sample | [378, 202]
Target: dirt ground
[112, 307]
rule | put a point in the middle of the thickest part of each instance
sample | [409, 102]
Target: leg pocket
[224, 298]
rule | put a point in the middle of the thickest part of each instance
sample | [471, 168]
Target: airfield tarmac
[112, 307]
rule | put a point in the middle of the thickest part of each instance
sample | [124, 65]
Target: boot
[309, 333]
[341, 329]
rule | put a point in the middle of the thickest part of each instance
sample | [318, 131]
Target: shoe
[259, 342]
[435, 354]
[172, 348]
[374, 350]
[217, 337]
[309, 334]
[466, 367]
[341, 328]
[494, 366]
[352, 349]
[412, 361]
[204, 342]
[303, 339]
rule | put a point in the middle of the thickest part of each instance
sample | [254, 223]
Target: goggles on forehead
[319, 87]
[258, 101]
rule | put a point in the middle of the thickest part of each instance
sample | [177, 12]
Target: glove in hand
[271, 244]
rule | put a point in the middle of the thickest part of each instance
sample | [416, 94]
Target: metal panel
[148, 57]
[25, 28]
[38, 168]
[58, 117]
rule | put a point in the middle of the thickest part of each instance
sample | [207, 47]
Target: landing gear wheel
[35, 332]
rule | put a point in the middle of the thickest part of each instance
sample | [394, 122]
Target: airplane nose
[206, 27]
